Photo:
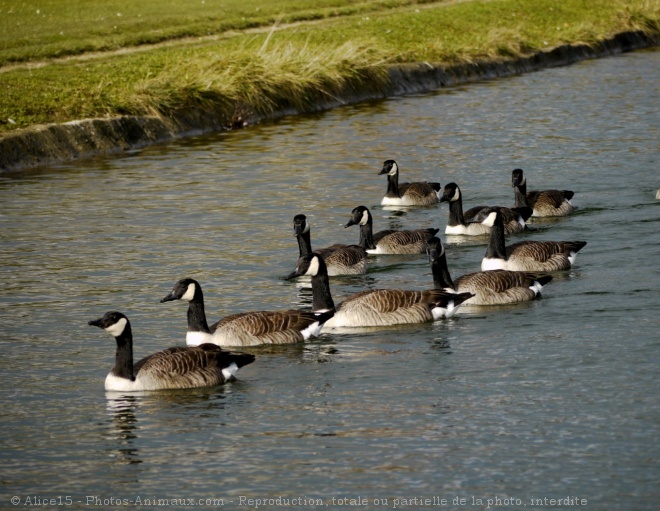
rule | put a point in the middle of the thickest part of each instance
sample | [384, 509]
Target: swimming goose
[340, 259]
[493, 287]
[544, 203]
[459, 222]
[245, 328]
[379, 307]
[524, 255]
[174, 368]
[406, 194]
[388, 241]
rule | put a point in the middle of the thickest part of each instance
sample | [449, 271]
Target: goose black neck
[496, 247]
[304, 243]
[124, 354]
[367, 237]
[520, 194]
[393, 185]
[456, 212]
[441, 276]
[321, 297]
[196, 315]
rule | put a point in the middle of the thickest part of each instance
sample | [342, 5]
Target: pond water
[553, 399]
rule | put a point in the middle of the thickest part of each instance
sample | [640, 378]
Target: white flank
[572, 257]
[197, 338]
[488, 264]
[113, 382]
[393, 201]
[230, 372]
[117, 329]
[456, 229]
[521, 221]
[190, 292]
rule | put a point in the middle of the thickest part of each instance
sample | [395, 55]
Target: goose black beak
[169, 298]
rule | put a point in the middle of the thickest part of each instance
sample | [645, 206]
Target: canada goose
[406, 194]
[340, 259]
[389, 241]
[543, 203]
[245, 328]
[379, 307]
[174, 368]
[493, 287]
[524, 255]
[459, 222]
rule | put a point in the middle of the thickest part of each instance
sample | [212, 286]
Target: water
[551, 399]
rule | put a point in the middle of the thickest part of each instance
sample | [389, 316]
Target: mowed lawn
[62, 60]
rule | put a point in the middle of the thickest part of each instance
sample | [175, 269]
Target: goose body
[544, 203]
[246, 328]
[173, 368]
[460, 223]
[388, 241]
[494, 287]
[379, 307]
[406, 194]
[340, 259]
[530, 256]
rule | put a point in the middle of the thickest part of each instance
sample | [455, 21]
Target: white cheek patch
[536, 288]
[230, 372]
[456, 196]
[490, 219]
[306, 229]
[190, 292]
[117, 329]
[313, 267]
[312, 330]
[365, 218]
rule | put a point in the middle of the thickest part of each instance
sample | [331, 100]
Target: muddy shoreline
[58, 143]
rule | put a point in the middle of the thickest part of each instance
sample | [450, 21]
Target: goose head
[360, 216]
[487, 217]
[112, 322]
[310, 265]
[300, 225]
[185, 289]
[517, 178]
[390, 168]
[451, 193]
[434, 249]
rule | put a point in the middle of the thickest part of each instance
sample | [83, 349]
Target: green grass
[320, 49]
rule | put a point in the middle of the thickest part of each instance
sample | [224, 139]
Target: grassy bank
[250, 56]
